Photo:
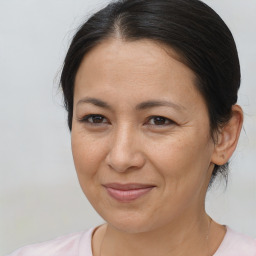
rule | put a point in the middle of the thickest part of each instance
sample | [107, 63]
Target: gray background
[40, 195]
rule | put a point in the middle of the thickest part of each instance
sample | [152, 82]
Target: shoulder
[236, 244]
[68, 245]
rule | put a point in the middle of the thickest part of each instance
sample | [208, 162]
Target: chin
[129, 222]
[130, 227]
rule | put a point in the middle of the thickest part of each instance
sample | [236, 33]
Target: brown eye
[94, 119]
[160, 121]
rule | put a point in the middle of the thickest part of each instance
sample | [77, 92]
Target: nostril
[125, 151]
[121, 161]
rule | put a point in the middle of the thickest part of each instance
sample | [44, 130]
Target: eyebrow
[94, 101]
[159, 103]
[140, 106]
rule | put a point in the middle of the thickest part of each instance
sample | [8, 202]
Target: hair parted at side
[190, 27]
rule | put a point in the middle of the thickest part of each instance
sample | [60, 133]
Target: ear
[228, 137]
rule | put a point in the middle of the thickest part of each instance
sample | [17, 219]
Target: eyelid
[85, 119]
[170, 121]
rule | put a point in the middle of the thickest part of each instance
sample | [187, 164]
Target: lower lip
[127, 195]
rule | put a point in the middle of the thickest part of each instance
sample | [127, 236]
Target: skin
[126, 144]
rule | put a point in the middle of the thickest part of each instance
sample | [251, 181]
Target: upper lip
[127, 186]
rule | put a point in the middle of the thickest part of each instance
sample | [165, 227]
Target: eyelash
[167, 121]
[86, 119]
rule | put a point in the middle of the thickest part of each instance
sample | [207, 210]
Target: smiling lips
[127, 192]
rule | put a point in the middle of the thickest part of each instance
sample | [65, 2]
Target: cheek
[182, 165]
[87, 158]
[87, 153]
[183, 160]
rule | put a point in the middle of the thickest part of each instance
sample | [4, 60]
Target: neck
[187, 236]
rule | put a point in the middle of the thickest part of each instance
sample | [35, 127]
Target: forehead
[143, 66]
[143, 52]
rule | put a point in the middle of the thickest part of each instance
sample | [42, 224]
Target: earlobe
[228, 137]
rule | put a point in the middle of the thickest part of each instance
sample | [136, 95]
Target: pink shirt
[79, 244]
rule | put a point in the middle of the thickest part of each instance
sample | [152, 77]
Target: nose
[125, 151]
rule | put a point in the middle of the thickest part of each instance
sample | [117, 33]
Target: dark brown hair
[190, 27]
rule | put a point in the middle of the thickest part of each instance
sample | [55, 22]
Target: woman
[150, 87]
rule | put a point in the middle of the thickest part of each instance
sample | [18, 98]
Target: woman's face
[140, 135]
